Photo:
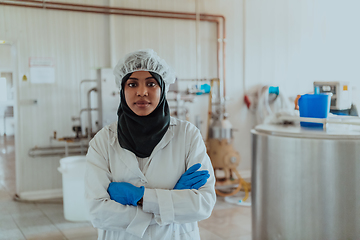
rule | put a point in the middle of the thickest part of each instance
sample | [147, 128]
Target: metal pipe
[83, 81]
[47, 4]
[223, 40]
[198, 49]
[223, 45]
[194, 79]
[244, 46]
[80, 91]
[50, 148]
[87, 109]
[56, 151]
[210, 105]
[168, 14]
[83, 110]
[133, 12]
[218, 49]
[79, 118]
[224, 57]
[99, 123]
[89, 112]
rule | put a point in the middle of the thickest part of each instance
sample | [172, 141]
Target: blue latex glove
[125, 193]
[192, 179]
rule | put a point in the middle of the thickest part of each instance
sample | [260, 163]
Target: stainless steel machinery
[101, 111]
[220, 148]
[305, 183]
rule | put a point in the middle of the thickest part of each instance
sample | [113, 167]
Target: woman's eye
[132, 84]
[152, 84]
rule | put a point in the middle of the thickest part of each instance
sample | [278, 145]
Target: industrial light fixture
[6, 42]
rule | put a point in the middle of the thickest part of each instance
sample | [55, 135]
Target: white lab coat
[166, 213]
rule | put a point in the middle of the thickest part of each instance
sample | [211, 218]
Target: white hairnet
[144, 60]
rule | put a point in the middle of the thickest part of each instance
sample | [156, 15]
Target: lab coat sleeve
[184, 206]
[105, 213]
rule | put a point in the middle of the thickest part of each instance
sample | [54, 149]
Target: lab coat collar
[165, 140]
[172, 121]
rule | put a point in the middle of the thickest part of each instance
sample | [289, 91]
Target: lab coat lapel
[164, 141]
[126, 156]
[131, 162]
[129, 157]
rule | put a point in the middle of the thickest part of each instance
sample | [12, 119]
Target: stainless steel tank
[305, 183]
[221, 129]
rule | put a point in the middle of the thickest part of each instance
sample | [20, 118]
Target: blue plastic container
[314, 106]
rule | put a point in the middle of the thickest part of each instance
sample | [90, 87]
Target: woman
[142, 177]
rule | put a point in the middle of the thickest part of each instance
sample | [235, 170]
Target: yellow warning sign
[24, 78]
[345, 87]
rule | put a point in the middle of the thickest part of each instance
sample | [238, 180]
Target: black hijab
[140, 134]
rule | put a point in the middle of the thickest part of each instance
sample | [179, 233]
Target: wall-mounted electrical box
[341, 93]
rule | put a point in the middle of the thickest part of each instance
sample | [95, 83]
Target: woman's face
[142, 93]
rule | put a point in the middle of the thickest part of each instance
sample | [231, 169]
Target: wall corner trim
[40, 195]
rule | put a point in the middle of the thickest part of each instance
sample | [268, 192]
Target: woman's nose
[142, 91]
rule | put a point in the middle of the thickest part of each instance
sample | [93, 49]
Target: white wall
[288, 43]
[294, 43]
[78, 44]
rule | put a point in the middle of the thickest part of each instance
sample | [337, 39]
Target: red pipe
[102, 12]
[44, 4]
[137, 12]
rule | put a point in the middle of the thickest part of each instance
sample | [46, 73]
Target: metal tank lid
[333, 131]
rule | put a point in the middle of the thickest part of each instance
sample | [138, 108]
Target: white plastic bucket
[73, 174]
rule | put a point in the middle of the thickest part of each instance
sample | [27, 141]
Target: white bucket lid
[72, 160]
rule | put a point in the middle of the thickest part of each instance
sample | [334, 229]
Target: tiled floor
[45, 220]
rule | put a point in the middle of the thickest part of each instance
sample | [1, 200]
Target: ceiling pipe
[134, 12]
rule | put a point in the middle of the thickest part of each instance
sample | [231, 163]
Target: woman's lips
[142, 104]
